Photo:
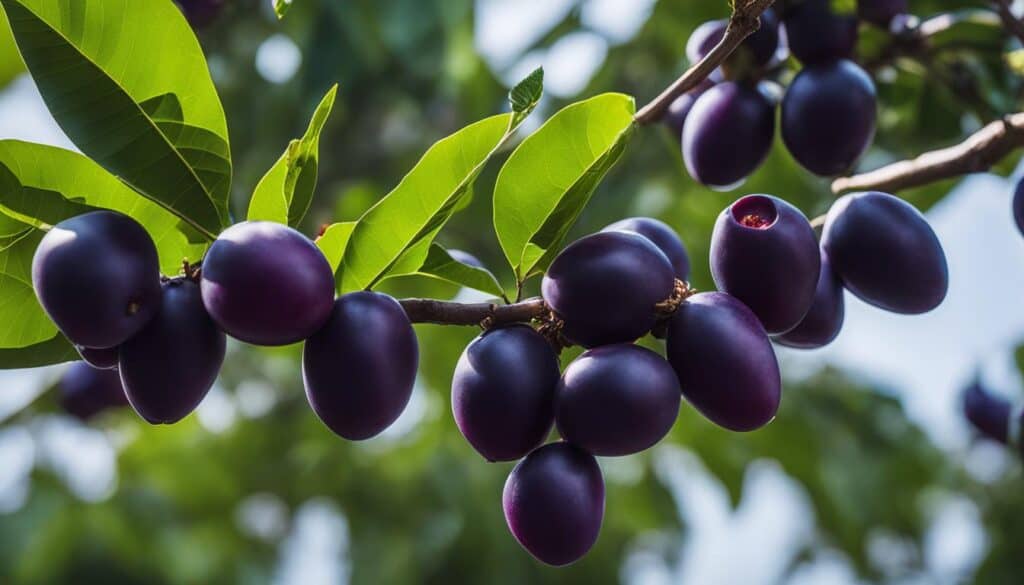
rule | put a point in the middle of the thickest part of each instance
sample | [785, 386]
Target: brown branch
[745, 20]
[452, 313]
[977, 154]
[1013, 24]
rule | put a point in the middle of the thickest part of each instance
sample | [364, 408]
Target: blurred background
[869, 475]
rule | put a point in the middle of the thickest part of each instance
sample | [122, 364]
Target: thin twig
[452, 313]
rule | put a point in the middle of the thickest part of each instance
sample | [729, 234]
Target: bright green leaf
[441, 265]
[10, 60]
[128, 83]
[550, 177]
[333, 241]
[281, 7]
[284, 193]
[25, 323]
[1015, 60]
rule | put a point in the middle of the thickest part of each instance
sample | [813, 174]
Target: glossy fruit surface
[359, 369]
[764, 253]
[724, 361]
[988, 414]
[168, 367]
[1018, 206]
[679, 109]
[554, 503]
[881, 12]
[828, 116]
[755, 51]
[503, 392]
[824, 320]
[97, 275]
[267, 284]
[818, 34]
[728, 134]
[703, 39]
[103, 359]
[886, 253]
[617, 400]
[662, 236]
[605, 287]
[86, 391]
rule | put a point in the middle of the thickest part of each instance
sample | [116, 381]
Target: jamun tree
[139, 256]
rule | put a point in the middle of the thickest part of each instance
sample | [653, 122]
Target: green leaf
[55, 350]
[281, 7]
[441, 265]
[550, 177]
[10, 61]
[43, 185]
[128, 83]
[25, 323]
[527, 93]
[333, 241]
[284, 193]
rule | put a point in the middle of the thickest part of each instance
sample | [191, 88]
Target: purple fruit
[201, 13]
[554, 503]
[755, 51]
[503, 392]
[724, 361]
[828, 117]
[988, 413]
[704, 38]
[267, 284]
[86, 391]
[103, 359]
[881, 12]
[466, 258]
[97, 276]
[818, 34]
[886, 253]
[764, 253]
[168, 368]
[1018, 206]
[359, 369]
[617, 400]
[662, 236]
[605, 287]
[679, 109]
[825, 318]
[728, 134]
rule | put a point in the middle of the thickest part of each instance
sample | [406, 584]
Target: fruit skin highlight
[103, 359]
[662, 236]
[824, 320]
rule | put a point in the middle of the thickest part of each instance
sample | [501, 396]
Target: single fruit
[97, 275]
[605, 287]
[466, 258]
[764, 253]
[728, 134]
[617, 400]
[881, 12]
[988, 413]
[503, 390]
[103, 359]
[168, 367]
[828, 116]
[662, 236]
[86, 391]
[755, 51]
[359, 369]
[886, 253]
[724, 361]
[679, 109]
[1018, 206]
[554, 503]
[818, 34]
[704, 38]
[267, 284]
[824, 320]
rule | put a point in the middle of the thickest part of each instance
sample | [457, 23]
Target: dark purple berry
[764, 253]
[201, 13]
[886, 253]
[103, 359]
[704, 38]
[86, 391]
[359, 369]
[881, 12]
[679, 109]
[988, 414]
[663, 236]
[617, 400]
[97, 276]
[755, 51]
[503, 392]
[828, 117]
[554, 503]
[169, 366]
[818, 34]
[466, 258]
[825, 318]
[724, 361]
[267, 284]
[1018, 206]
[728, 134]
[605, 287]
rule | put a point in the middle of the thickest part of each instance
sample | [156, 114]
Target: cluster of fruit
[97, 276]
[727, 123]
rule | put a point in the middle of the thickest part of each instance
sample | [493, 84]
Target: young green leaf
[550, 177]
[281, 8]
[284, 193]
[128, 83]
[440, 264]
[527, 93]
[333, 240]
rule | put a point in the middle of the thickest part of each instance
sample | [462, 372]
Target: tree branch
[1013, 24]
[745, 20]
[452, 313]
[978, 153]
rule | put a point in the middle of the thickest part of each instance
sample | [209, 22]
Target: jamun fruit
[824, 320]
[663, 236]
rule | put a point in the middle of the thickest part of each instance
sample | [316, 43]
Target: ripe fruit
[267, 284]
[1018, 206]
[724, 361]
[554, 503]
[98, 277]
[605, 287]
[103, 359]
[880, 12]
[728, 134]
[704, 38]
[662, 236]
[359, 369]
[824, 320]
[86, 391]
[755, 51]
[828, 116]
[617, 400]
[679, 109]
[886, 253]
[169, 366]
[818, 34]
[503, 390]
[764, 253]
[988, 413]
